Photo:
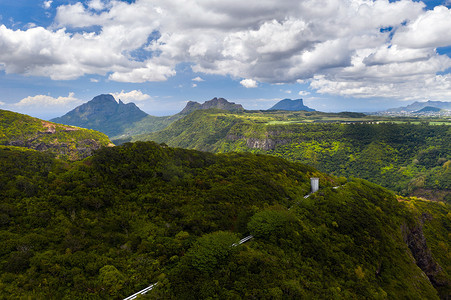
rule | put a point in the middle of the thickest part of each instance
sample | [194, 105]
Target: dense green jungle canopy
[136, 214]
[409, 158]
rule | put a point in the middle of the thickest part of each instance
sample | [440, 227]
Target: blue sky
[337, 55]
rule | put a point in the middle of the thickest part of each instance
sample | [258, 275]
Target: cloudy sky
[337, 55]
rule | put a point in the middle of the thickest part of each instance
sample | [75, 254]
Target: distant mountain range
[418, 108]
[292, 105]
[428, 109]
[121, 121]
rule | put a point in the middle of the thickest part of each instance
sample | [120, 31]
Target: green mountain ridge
[63, 141]
[104, 114]
[140, 213]
[122, 121]
[408, 158]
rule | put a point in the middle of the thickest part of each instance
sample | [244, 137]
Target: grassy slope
[66, 142]
[140, 213]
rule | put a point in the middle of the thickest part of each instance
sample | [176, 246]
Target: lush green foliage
[198, 130]
[403, 157]
[138, 208]
[343, 243]
[407, 158]
[65, 142]
[142, 213]
[270, 223]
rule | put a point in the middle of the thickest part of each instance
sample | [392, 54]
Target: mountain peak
[103, 113]
[292, 105]
[218, 103]
[103, 99]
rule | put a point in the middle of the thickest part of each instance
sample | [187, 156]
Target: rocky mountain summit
[218, 103]
[103, 113]
[292, 105]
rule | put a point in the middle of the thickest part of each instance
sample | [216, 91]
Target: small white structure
[315, 184]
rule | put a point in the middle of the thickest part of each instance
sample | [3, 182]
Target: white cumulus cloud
[362, 46]
[198, 79]
[132, 96]
[96, 4]
[430, 30]
[437, 87]
[51, 106]
[249, 83]
[48, 101]
[47, 4]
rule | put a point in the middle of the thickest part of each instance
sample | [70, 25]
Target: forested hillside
[410, 158]
[67, 142]
[141, 213]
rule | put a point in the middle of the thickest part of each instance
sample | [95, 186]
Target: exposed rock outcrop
[416, 241]
[218, 103]
[266, 143]
[81, 150]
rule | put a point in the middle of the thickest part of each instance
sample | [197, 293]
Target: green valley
[407, 155]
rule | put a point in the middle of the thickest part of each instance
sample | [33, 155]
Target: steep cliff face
[268, 142]
[264, 144]
[416, 241]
